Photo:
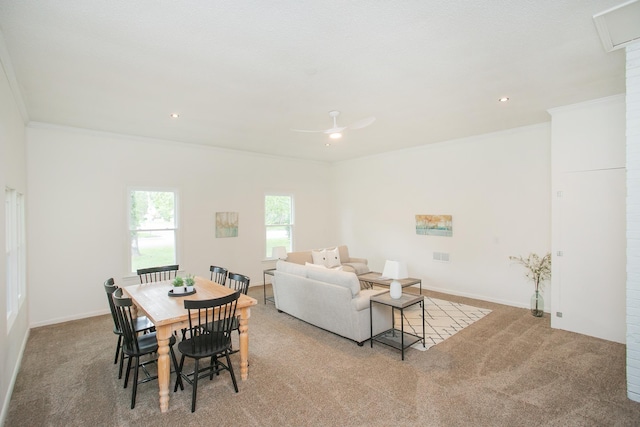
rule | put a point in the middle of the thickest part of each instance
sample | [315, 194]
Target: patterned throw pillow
[333, 258]
[319, 257]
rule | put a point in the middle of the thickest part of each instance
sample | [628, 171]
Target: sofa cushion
[344, 253]
[340, 278]
[333, 258]
[299, 257]
[291, 268]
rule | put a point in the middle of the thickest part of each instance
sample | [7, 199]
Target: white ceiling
[243, 73]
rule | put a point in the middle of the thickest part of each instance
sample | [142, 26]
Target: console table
[373, 278]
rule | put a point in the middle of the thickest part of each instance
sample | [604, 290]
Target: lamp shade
[395, 270]
[279, 252]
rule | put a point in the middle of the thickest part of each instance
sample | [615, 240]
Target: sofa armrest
[361, 301]
[358, 260]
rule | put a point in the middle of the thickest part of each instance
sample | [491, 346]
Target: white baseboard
[14, 376]
[68, 319]
[475, 296]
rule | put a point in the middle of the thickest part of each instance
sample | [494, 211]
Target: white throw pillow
[308, 264]
[319, 257]
[333, 258]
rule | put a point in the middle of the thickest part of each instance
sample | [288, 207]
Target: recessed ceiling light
[335, 135]
[327, 145]
[175, 115]
[503, 99]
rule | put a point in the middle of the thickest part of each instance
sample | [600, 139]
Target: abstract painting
[226, 224]
[434, 225]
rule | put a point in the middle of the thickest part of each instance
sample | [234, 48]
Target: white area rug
[442, 320]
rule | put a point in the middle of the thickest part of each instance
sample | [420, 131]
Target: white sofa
[329, 299]
[348, 263]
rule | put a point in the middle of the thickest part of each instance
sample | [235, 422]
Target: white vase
[178, 289]
[395, 290]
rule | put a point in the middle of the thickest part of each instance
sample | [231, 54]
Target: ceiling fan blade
[334, 130]
[308, 131]
[361, 123]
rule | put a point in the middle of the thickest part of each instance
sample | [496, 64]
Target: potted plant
[178, 285]
[190, 282]
[538, 270]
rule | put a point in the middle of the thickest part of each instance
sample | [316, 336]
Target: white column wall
[13, 174]
[78, 217]
[588, 219]
[496, 187]
[633, 221]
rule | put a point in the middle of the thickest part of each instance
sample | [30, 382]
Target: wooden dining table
[168, 315]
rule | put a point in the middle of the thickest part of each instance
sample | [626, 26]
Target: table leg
[245, 313]
[264, 287]
[163, 335]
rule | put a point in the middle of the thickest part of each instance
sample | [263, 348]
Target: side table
[394, 337]
[265, 273]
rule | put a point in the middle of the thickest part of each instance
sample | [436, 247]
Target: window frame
[291, 225]
[15, 253]
[176, 223]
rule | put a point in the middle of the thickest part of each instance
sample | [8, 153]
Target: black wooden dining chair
[238, 282]
[142, 324]
[210, 323]
[157, 274]
[218, 274]
[137, 346]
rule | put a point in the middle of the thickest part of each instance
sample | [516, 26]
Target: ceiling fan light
[335, 135]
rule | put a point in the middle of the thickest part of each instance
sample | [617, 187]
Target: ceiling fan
[335, 132]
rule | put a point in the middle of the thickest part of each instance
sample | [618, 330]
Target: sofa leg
[360, 344]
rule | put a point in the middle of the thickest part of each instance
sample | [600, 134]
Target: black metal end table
[394, 337]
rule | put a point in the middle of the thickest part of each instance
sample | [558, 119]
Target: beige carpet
[508, 369]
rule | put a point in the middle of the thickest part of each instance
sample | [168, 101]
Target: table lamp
[395, 270]
[279, 252]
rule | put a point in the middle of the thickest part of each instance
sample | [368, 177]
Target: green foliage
[538, 269]
[277, 210]
[178, 282]
[152, 206]
[190, 280]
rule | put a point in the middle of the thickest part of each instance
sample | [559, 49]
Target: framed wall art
[434, 225]
[226, 224]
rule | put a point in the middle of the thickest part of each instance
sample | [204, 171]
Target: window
[278, 220]
[15, 253]
[153, 228]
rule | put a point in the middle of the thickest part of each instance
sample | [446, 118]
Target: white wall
[12, 174]
[78, 183]
[633, 221]
[496, 186]
[588, 168]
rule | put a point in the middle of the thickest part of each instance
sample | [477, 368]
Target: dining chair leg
[195, 387]
[126, 376]
[179, 375]
[233, 376]
[135, 383]
[212, 366]
[121, 364]
[175, 365]
[118, 349]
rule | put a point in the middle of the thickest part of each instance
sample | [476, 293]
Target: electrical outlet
[558, 314]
